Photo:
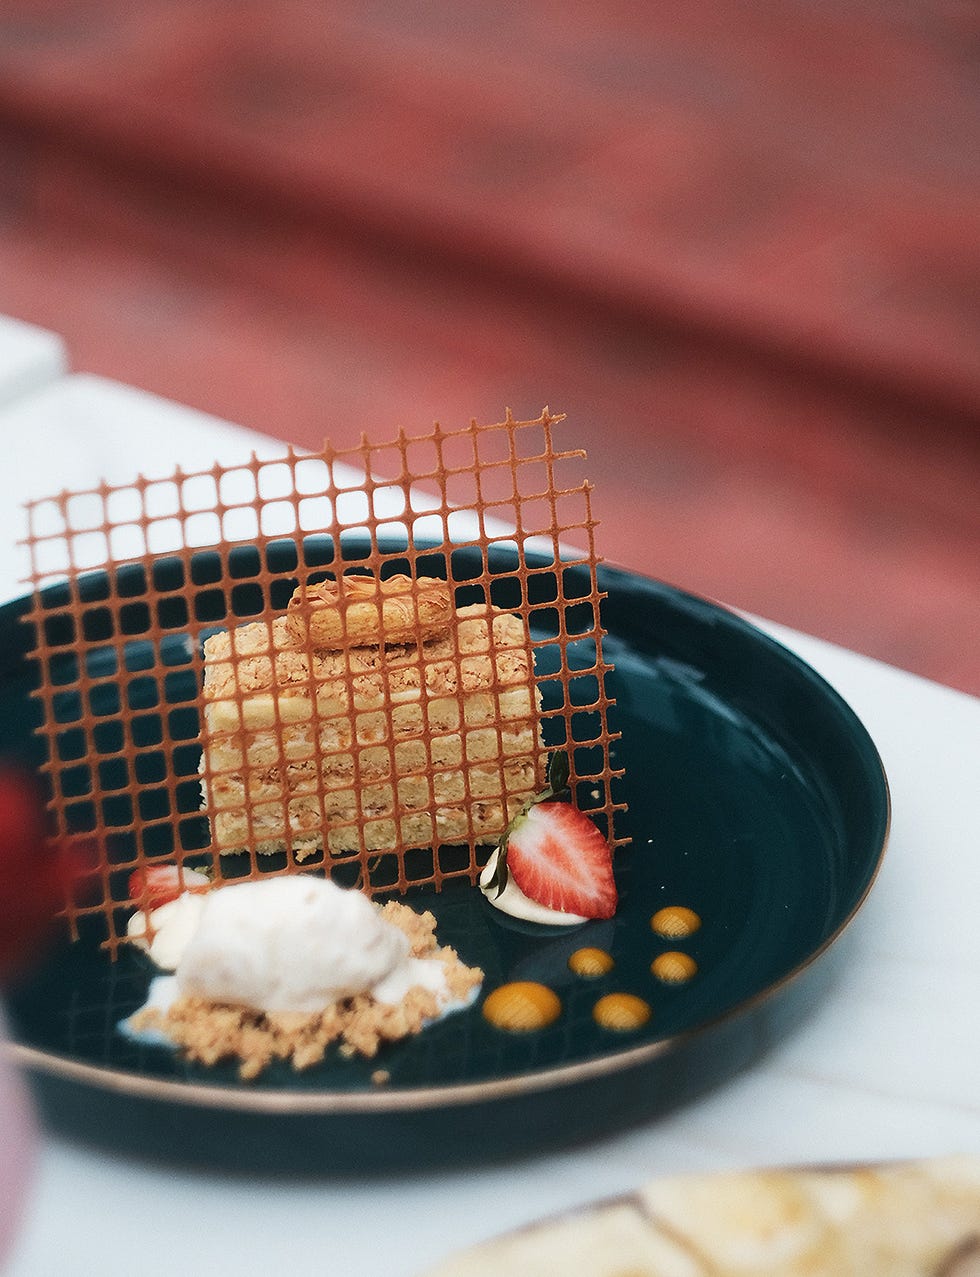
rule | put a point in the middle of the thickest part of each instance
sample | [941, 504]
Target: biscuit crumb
[380, 1077]
[211, 1031]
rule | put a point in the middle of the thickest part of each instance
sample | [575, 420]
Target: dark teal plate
[756, 798]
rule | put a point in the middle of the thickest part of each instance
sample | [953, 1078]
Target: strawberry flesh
[559, 858]
[157, 885]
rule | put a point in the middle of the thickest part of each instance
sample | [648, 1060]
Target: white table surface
[30, 357]
[885, 1066]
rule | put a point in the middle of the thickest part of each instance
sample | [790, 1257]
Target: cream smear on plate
[514, 902]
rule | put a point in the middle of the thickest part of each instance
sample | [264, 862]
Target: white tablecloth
[30, 358]
[885, 1066]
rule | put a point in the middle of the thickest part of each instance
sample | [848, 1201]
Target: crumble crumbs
[212, 1031]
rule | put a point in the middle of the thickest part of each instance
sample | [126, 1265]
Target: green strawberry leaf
[557, 773]
[498, 879]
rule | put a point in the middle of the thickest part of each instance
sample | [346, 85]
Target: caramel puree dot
[591, 962]
[621, 1011]
[522, 1006]
[673, 967]
[675, 922]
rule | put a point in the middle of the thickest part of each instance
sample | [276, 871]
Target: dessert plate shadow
[755, 798]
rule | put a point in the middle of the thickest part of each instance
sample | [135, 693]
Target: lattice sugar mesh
[191, 713]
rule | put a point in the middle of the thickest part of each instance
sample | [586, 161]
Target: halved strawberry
[560, 859]
[157, 885]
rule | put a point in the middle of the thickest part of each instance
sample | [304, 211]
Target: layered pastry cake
[370, 716]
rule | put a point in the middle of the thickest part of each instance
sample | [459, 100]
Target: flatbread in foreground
[914, 1219]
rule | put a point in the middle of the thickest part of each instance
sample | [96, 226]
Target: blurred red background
[738, 245]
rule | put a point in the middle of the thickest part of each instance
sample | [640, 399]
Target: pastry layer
[382, 747]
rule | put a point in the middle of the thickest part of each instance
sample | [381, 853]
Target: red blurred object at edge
[35, 874]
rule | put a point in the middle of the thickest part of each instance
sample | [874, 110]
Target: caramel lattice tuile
[273, 666]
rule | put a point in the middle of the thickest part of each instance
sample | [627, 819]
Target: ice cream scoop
[288, 944]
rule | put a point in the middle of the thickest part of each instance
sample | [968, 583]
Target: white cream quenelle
[284, 944]
[288, 944]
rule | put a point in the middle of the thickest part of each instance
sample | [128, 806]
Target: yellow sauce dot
[674, 967]
[522, 1006]
[675, 921]
[591, 962]
[621, 1011]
